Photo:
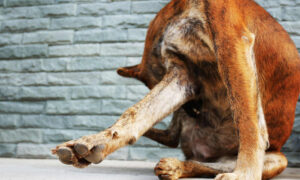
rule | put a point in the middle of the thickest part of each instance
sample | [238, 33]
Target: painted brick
[59, 136]
[137, 34]
[21, 135]
[95, 63]
[74, 50]
[9, 121]
[25, 150]
[9, 39]
[147, 7]
[23, 79]
[108, 35]
[291, 27]
[74, 107]
[95, 92]
[21, 107]
[115, 107]
[8, 93]
[27, 51]
[76, 23]
[50, 37]
[291, 13]
[76, 78]
[42, 93]
[154, 154]
[112, 78]
[12, 3]
[7, 150]
[24, 25]
[122, 49]
[127, 21]
[97, 9]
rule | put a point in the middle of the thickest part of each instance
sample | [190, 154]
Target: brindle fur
[231, 74]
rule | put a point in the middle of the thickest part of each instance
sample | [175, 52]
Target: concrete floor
[23, 169]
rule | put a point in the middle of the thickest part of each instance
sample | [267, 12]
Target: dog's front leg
[166, 97]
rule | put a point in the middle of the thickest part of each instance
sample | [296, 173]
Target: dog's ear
[131, 71]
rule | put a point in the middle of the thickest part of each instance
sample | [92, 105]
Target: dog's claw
[81, 149]
[65, 155]
[96, 154]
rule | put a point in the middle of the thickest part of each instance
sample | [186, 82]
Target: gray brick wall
[57, 71]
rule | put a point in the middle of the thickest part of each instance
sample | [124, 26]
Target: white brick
[74, 50]
[50, 37]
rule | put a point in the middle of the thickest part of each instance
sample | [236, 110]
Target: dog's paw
[168, 169]
[227, 176]
[82, 152]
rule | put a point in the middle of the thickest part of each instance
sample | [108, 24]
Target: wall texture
[57, 71]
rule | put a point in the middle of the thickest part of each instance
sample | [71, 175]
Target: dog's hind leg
[172, 168]
[169, 137]
[167, 96]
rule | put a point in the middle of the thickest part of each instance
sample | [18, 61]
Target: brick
[293, 144]
[137, 34]
[95, 63]
[13, 3]
[146, 142]
[136, 92]
[58, 10]
[10, 39]
[25, 25]
[40, 11]
[97, 9]
[296, 40]
[98, 123]
[122, 49]
[127, 21]
[8, 93]
[22, 12]
[84, 92]
[292, 27]
[76, 78]
[35, 65]
[131, 61]
[58, 136]
[27, 51]
[147, 7]
[112, 78]
[153, 154]
[74, 107]
[23, 79]
[43, 93]
[21, 107]
[9, 121]
[110, 35]
[50, 37]
[35, 150]
[76, 23]
[115, 107]
[85, 122]
[276, 12]
[291, 13]
[268, 3]
[120, 154]
[74, 50]
[7, 150]
[21, 135]
[293, 158]
[43, 121]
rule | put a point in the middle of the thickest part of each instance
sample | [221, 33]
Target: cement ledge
[42, 169]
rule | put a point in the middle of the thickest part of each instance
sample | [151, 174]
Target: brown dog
[230, 73]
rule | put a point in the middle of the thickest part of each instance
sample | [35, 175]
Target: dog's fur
[230, 72]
